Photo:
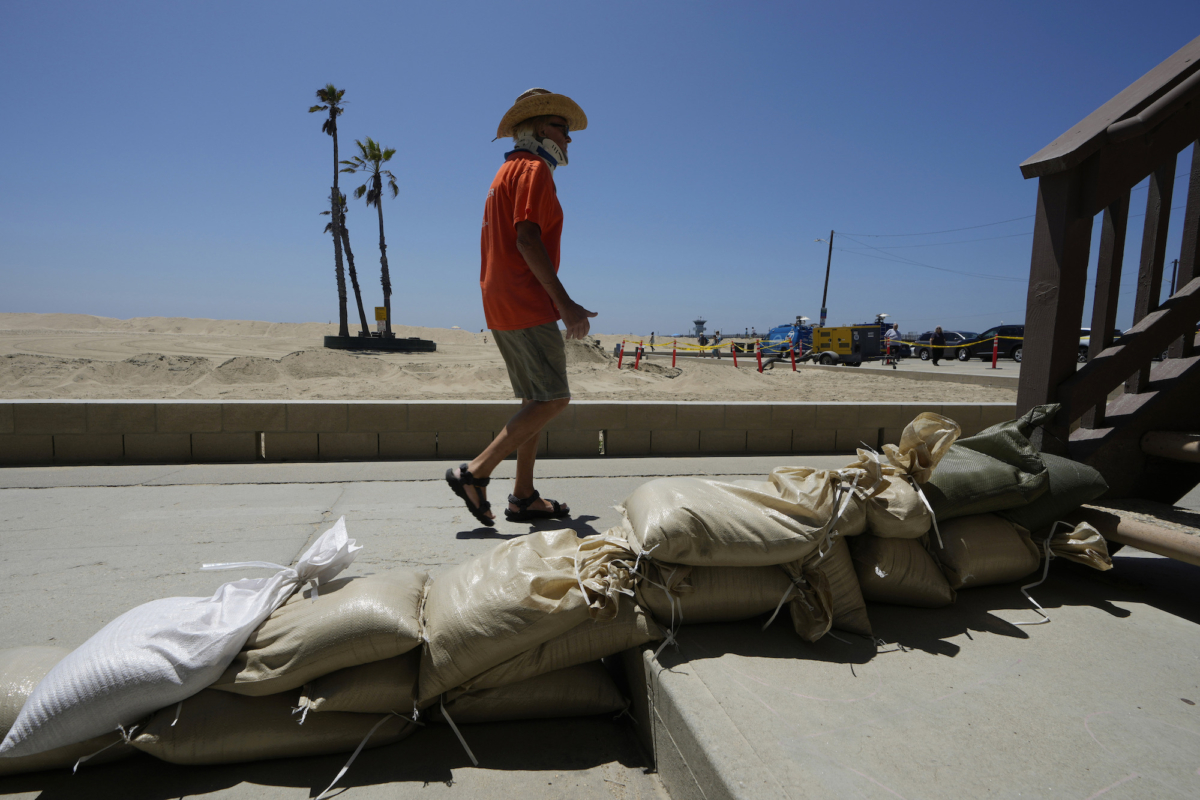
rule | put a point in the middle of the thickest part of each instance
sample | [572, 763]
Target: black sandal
[465, 478]
[557, 510]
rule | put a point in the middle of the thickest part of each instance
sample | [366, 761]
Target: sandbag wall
[521, 632]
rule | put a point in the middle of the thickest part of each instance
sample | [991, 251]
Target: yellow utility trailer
[850, 345]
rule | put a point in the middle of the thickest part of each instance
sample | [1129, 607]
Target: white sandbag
[590, 640]
[223, 728]
[1080, 543]
[899, 571]
[710, 523]
[677, 593]
[525, 592]
[160, 653]
[985, 549]
[351, 621]
[374, 688]
[20, 670]
[578, 691]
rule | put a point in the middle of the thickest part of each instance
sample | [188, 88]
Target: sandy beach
[49, 356]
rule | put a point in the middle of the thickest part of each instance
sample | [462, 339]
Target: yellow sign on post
[380, 314]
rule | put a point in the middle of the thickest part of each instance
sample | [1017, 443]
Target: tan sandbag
[1081, 543]
[590, 640]
[352, 621]
[817, 489]
[578, 691]
[811, 607]
[985, 549]
[223, 728]
[20, 670]
[374, 688]
[849, 608]
[899, 571]
[709, 523]
[525, 592]
[897, 511]
[709, 594]
[923, 443]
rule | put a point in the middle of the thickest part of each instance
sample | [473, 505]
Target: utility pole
[825, 294]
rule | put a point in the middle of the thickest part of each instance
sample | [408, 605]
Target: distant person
[523, 298]
[937, 343]
[892, 342]
[753, 333]
[651, 341]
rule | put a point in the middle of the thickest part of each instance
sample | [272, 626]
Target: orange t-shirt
[513, 297]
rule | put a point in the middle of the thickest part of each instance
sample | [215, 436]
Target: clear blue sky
[159, 158]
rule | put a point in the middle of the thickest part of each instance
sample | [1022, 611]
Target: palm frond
[318, 108]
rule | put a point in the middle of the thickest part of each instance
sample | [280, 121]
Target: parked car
[1085, 341]
[1012, 337]
[954, 340]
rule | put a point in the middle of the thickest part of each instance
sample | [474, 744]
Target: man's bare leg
[523, 428]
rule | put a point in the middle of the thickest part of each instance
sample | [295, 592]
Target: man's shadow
[581, 525]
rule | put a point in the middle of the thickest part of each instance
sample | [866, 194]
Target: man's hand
[575, 317]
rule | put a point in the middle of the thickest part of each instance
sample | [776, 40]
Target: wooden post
[1154, 254]
[1108, 289]
[1054, 305]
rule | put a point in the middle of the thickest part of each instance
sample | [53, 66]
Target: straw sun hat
[538, 102]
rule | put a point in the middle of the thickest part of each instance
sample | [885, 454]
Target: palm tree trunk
[386, 279]
[362, 315]
[343, 320]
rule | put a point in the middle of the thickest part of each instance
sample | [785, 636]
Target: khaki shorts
[537, 361]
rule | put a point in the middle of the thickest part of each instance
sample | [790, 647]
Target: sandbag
[924, 442]
[20, 670]
[525, 592]
[710, 594]
[1069, 485]
[1080, 543]
[897, 511]
[994, 470]
[811, 607]
[374, 688]
[590, 640]
[161, 652]
[223, 728]
[578, 691]
[985, 549]
[709, 523]
[899, 571]
[848, 607]
[351, 621]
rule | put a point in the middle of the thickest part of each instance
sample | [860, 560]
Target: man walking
[523, 298]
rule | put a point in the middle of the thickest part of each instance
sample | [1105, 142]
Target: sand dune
[47, 356]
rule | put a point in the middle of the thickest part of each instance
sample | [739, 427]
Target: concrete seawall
[36, 432]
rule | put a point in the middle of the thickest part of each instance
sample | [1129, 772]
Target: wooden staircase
[1084, 175]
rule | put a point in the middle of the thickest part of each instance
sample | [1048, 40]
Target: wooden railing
[1121, 393]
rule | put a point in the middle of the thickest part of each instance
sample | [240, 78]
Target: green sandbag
[996, 469]
[1071, 485]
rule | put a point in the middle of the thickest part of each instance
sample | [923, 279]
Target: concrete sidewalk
[1096, 703]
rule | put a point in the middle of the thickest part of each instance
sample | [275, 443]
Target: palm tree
[370, 159]
[331, 98]
[362, 315]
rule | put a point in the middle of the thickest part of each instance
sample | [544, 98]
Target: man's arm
[529, 243]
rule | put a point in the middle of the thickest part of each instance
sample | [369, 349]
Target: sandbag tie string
[313, 581]
[453, 727]
[932, 516]
[782, 600]
[1045, 574]
[126, 738]
[357, 750]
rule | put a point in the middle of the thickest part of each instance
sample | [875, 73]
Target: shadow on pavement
[428, 757]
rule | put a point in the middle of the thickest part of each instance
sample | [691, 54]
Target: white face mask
[545, 148]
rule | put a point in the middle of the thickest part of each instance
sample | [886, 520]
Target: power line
[956, 241]
[904, 260]
[932, 233]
